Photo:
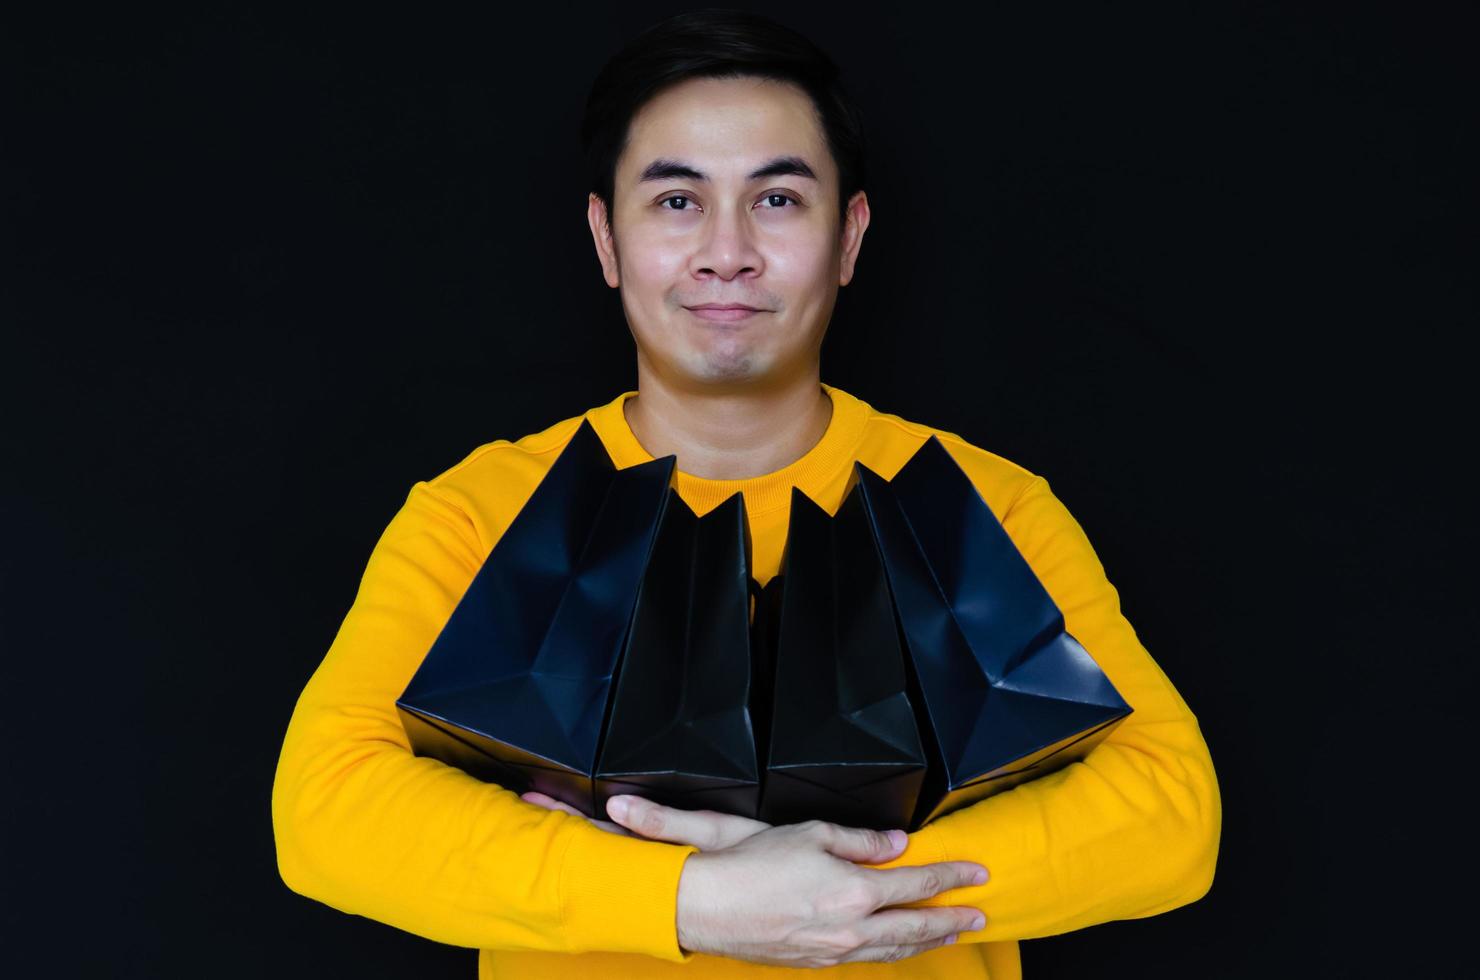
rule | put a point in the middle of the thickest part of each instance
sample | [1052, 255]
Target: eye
[784, 197]
[675, 197]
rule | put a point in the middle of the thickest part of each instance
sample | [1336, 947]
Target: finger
[914, 883]
[860, 843]
[705, 829]
[912, 927]
[550, 803]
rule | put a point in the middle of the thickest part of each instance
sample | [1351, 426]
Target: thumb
[708, 830]
[862, 845]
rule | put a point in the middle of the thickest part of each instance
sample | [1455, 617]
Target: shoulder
[892, 440]
[491, 483]
[1034, 517]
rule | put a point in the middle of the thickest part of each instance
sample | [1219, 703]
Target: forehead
[725, 126]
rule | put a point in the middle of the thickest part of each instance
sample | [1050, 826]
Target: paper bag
[1005, 694]
[680, 731]
[843, 741]
[515, 688]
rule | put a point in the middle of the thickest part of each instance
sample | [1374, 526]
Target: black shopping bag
[679, 730]
[1005, 693]
[515, 688]
[843, 741]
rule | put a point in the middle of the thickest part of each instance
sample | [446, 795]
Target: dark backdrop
[1199, 268]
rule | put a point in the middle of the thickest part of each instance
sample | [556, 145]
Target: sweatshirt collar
[812, 473]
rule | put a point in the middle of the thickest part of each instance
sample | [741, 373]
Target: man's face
[696, 224]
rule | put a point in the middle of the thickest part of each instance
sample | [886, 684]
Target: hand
[793, 896]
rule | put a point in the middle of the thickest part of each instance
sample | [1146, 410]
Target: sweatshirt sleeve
[1130, 831]
[363, 825]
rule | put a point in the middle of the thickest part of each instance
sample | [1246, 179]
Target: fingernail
[978, 922]
[899, 839]
[617, 807]
[980, 877]
[950, 939]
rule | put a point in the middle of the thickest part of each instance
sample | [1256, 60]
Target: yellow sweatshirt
[366, 827]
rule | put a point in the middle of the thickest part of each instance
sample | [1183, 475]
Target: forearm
[364, 825]
[1132, 830]
[1127, 833]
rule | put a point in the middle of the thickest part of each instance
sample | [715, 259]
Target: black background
[1204, 269]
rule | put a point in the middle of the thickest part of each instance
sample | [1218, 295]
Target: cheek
[801, 265]
[653, 253]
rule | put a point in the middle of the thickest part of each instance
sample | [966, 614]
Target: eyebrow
[666, 169]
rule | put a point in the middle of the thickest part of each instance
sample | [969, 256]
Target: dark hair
[716, 43]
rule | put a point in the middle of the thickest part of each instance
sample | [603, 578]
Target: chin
[726, 369]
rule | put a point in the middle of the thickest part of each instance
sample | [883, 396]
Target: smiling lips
[723, 312]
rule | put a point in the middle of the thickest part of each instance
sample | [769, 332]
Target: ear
[855, 221]
[606, 246]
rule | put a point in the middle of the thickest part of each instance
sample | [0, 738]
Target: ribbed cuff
[927, 846]
[620, 894]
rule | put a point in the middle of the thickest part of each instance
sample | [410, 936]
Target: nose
[726, 247]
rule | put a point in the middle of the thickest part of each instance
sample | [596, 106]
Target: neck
[728, 434]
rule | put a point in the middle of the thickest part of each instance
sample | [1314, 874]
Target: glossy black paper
[844, 744]
[903, 663]
[1005, 692]
[680, 728]
[515, 688]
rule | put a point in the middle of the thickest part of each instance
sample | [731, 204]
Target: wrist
[690, 903]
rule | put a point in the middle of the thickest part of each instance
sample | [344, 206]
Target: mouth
[723, 312]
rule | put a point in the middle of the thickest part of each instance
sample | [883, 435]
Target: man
[727, 210]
